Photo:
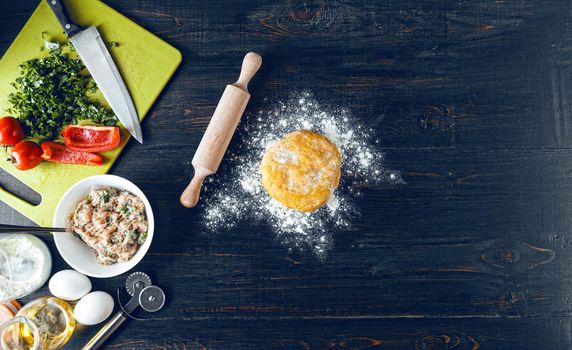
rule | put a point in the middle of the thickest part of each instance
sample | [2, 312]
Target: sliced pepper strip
[91, 138]
[56, 152]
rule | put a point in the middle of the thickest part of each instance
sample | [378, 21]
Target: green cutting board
[146, 64]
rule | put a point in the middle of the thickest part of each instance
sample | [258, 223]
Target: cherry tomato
[11, 131]
[26, 155]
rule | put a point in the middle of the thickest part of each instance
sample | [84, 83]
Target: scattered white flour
[238, 195]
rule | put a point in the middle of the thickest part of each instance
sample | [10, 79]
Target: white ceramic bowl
[74, 251]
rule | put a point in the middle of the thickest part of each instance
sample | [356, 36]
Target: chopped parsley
[115, 238]
[105, 197]
[142, 238]
[124, 209]
[52, 91]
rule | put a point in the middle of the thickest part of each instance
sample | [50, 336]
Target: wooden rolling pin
[221, 128]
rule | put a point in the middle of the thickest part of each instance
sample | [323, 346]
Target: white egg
[69, 285]
[93, 308]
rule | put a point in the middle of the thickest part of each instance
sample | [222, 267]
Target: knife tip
[138, 137]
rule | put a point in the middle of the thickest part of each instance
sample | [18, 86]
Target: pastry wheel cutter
[143, 293]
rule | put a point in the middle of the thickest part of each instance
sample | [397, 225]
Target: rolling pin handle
[190, 195]
[250, 65]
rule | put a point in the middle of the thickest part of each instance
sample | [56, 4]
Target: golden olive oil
[53, 319]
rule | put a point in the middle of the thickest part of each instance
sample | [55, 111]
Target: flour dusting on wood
[238, 195]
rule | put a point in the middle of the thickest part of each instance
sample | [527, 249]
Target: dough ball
[301, 170]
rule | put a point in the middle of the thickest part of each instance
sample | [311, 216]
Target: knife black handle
[59, 10]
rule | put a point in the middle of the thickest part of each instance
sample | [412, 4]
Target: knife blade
[91, 48]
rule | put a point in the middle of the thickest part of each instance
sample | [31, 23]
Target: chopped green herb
[124, 208]
[134, 235]
[142, 238]
[52, 92]
[105, 197]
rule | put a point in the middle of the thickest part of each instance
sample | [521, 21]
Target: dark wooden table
[471, 101]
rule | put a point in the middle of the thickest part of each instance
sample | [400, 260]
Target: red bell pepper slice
[91, 138]
[56, 152]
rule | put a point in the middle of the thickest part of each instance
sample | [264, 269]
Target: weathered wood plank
[392, 334]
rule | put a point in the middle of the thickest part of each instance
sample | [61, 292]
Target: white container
[74, 251]
[13, 283]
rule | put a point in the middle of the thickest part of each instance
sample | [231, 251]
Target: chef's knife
[94, 54]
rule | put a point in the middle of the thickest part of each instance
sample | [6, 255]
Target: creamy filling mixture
[112, 222]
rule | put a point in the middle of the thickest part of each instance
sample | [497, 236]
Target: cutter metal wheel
[151, 298]
[137, 280]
